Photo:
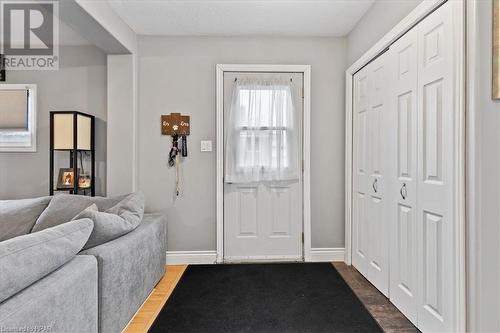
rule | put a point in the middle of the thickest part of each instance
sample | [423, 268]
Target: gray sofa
[129, 268]
[97, 290]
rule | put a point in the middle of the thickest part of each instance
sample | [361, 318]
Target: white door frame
[473, 175]
[306, 153]
[419, 13]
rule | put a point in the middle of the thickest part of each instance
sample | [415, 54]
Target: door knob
[403, 191]
[375, 185]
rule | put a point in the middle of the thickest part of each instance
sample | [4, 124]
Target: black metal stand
[74, 154]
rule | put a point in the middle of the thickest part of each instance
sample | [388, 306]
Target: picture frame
[495, 86]
[84, 181]
[66, 179]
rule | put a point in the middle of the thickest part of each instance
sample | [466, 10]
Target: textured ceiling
[241, 17]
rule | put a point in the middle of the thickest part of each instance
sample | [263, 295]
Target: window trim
[30, 147]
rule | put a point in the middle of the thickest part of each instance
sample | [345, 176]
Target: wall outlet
[206, 145]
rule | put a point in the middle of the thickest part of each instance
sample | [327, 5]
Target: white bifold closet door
[421, 198]
[371, 253]
[435, 185]
[402, 131]
[403, 173]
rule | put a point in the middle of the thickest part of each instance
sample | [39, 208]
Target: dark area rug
[263, 298]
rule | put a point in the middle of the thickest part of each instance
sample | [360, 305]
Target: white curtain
[261, 135]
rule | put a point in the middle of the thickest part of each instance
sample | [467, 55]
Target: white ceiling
[241, 17]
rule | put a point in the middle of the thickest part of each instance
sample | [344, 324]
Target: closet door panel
[361, 172]
[435, 172]
[370, 231]
[378, 268]
[403, 171]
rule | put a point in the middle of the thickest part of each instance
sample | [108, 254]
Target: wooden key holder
[175, 124]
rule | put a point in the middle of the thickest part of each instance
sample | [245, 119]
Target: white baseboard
[191, 257]
[324, 254]
[257, 259]
[328, 254]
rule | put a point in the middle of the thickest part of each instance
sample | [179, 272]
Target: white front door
[264, 221]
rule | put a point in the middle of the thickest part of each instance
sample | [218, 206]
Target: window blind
[14, 109]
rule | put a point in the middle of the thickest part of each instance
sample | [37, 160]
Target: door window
[260, 141]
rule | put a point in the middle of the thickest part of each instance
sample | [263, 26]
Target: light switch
[206, 145]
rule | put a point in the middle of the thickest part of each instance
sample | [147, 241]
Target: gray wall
[486, 314]
[79, 84]
[382, 16]
[121, 136]
[178, 75]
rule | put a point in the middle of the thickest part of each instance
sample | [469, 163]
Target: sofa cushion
[17, 217]
[28, 258]
[63, 207]
[115, 221]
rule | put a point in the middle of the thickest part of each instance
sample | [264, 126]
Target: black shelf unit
[74, 154]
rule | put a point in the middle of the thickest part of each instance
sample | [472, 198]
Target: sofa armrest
[61, 302]
[129, 268]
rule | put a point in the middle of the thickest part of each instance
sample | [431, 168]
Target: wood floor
[382, 310]
[386, 314]
[146, 315]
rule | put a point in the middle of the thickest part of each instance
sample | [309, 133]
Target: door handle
[375, 185]
[403, 191]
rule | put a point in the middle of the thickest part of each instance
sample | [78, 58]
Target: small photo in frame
[66, 178]
[84, 181]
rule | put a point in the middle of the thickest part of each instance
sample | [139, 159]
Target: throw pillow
[17, 217]
[115, 221]
[28, 258]
[63, 207]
